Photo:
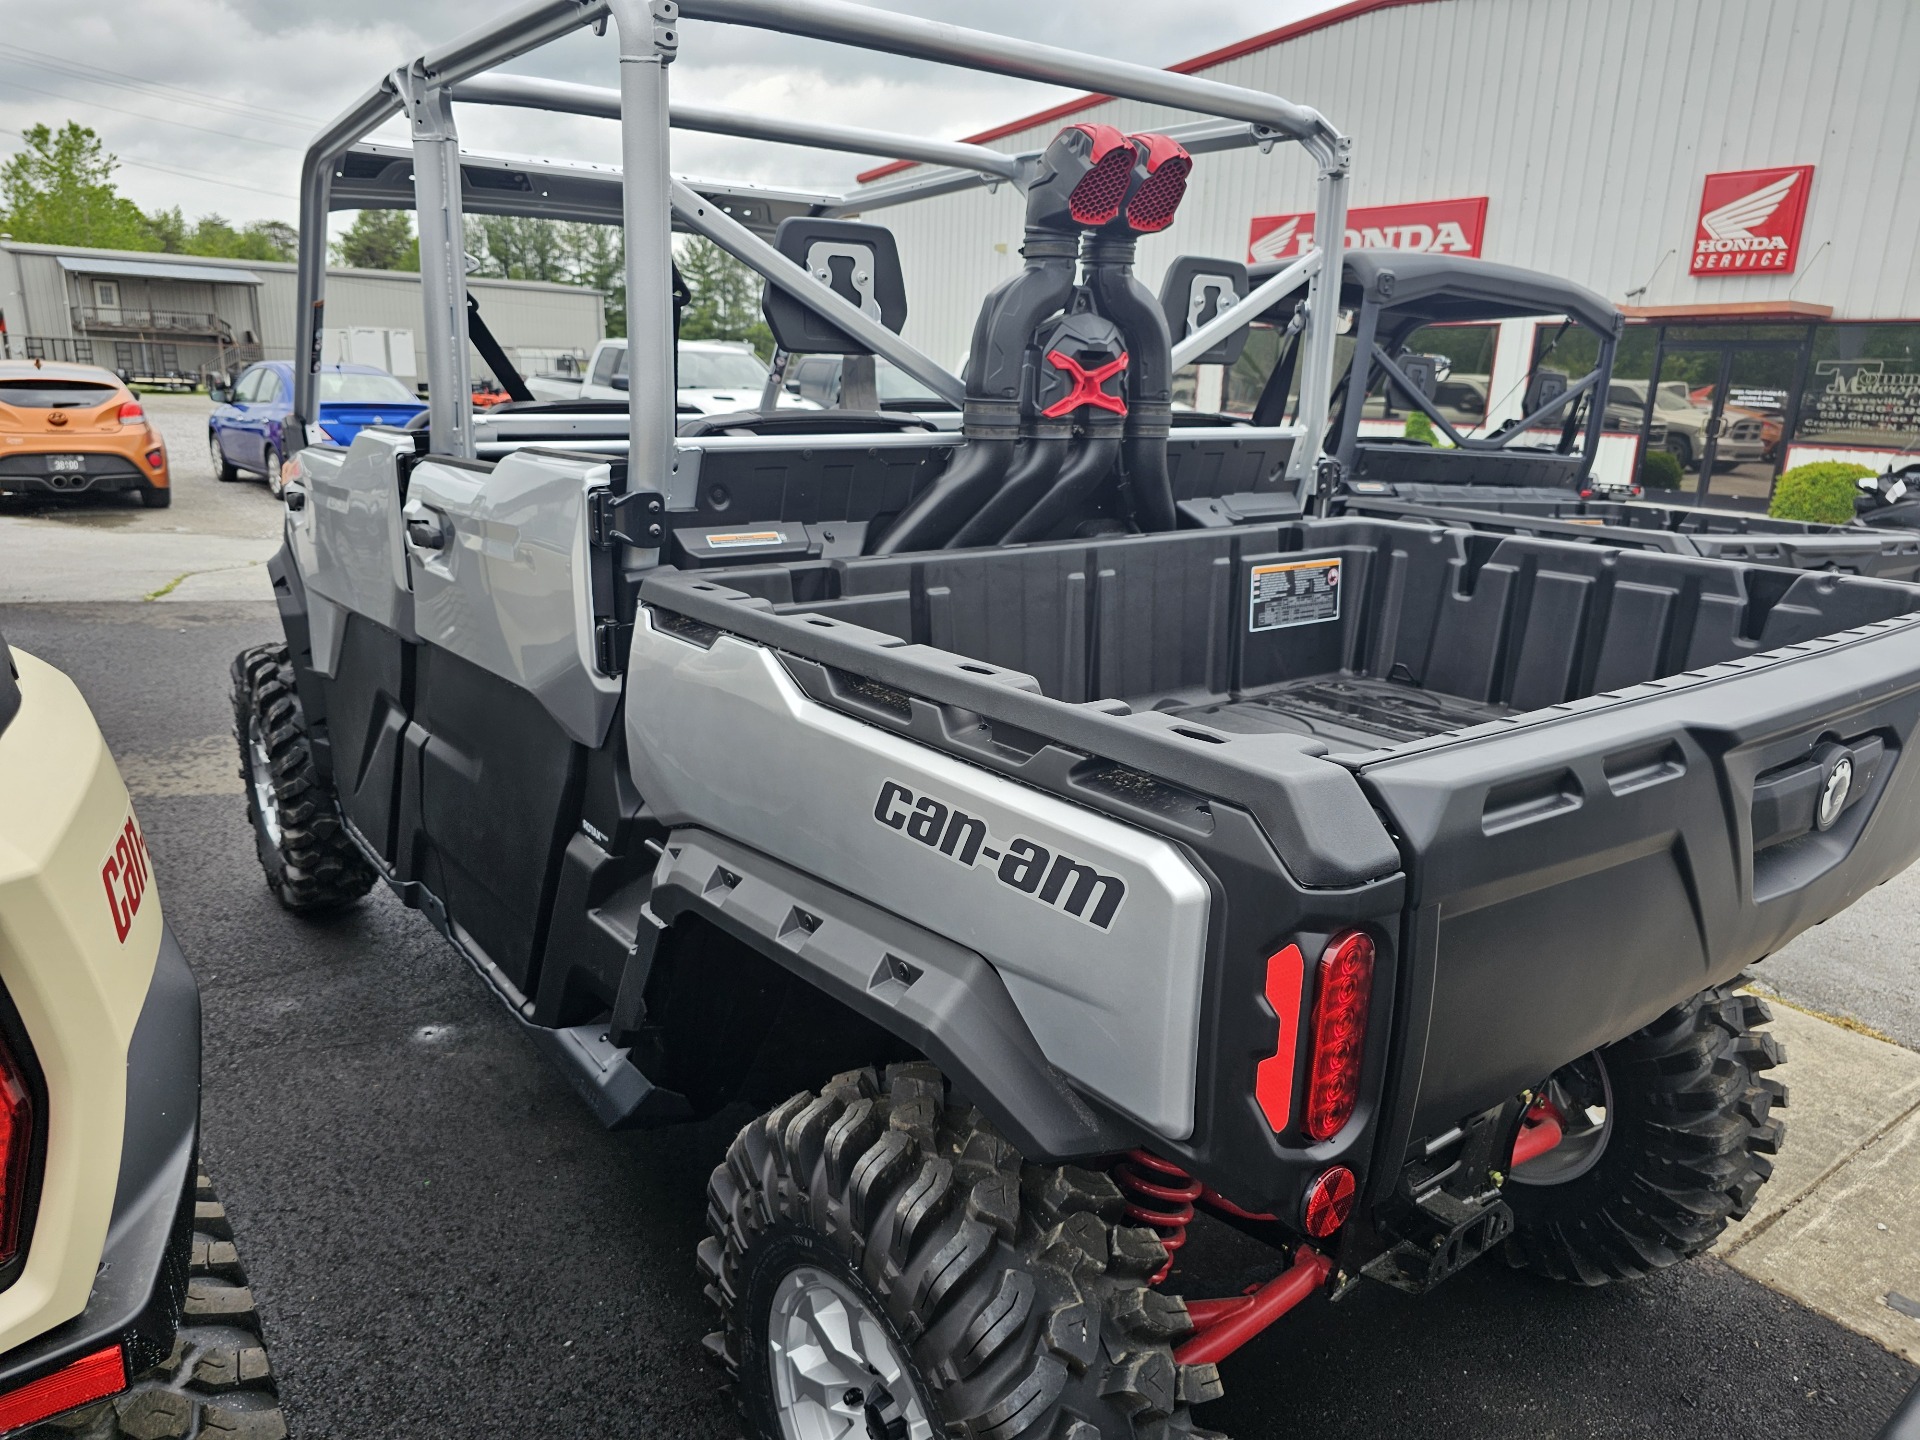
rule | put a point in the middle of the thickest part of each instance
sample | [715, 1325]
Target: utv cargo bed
[1599, 774]
[1650, 525]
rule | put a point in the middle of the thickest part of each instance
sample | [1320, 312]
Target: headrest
[862, 265]
[1194, 291]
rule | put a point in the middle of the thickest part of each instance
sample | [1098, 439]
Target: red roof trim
[1352, 10]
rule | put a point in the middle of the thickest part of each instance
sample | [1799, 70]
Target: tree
[726, 297]
[565, 252]
[262, 240]
[60, 191]
[379, 240]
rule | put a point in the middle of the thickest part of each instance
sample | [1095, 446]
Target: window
[1463, 363]
[248, 390]
[1863, 388]
[363, 389]
[106, 295]
[603, 367]
[268, 388]
[54, 394]
[721, 370]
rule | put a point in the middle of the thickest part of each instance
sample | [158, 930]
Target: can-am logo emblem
[127, 873]
[1750, 221]
[1052, 877]
[1446, 227]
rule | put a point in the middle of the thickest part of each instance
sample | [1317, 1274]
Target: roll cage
[440, 183]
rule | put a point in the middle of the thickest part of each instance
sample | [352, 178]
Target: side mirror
[220, 394]
[792, 387]
[619, 382]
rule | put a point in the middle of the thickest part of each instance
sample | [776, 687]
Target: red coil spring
[1159, 1193]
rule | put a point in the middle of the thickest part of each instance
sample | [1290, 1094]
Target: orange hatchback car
[76, 429]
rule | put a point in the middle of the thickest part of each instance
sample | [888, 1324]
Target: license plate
[62, 464]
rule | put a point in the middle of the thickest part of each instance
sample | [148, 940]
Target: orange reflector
[91, 1377]
[1273, 1077]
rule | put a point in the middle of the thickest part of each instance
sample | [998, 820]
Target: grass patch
[168, 588]
[1845, 1022]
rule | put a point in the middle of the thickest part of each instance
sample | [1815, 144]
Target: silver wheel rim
[266, 803]
[837, 1373]
[276, 486]
[1583, 1094]
[213, 454]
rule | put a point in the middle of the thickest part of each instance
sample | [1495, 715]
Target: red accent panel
[91, 1377]
[1339, 1033]
[1086, 385]
[1104, 137]
[1228, 1329]
[1330, 1201]
[1353, 10]
[1273, 1077]
[1099, 194]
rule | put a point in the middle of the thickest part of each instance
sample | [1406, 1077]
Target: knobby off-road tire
[217, 1383]
[1018, 1306]
[1691, 1125]
[310, 861]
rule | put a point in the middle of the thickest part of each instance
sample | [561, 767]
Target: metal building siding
[1589, 125]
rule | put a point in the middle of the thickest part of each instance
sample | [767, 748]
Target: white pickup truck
[716, 378]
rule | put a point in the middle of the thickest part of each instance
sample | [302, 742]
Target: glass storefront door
[1724, 406]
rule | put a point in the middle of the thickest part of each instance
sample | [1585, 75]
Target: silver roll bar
[648, 42]
[572, 99]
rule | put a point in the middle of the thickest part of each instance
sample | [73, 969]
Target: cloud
[209, 103]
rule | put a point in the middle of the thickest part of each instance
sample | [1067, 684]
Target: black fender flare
[942, 998]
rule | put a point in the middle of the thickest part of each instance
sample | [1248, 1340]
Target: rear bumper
[104, 471]
[141, 1284]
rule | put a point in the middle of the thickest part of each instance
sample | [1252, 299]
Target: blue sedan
[245, 431]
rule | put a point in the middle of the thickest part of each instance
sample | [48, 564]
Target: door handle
[427, 532]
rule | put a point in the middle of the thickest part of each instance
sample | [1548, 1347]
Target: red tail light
[1339, 1032]
[1097, 198]
[1154, 203]
[131, 413]
[16, 1152]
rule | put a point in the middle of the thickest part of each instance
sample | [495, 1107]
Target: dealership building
[1738, 176]
[157, 317]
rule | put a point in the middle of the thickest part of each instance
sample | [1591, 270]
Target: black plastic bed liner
[1348, 712]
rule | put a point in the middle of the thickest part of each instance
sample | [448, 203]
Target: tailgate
[1577, 870]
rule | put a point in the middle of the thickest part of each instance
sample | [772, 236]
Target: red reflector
[130, 411]
[16, 1150]
[1273, 1077]
[91, 1377]
[157, 459]
[1330, 1202]
[1339, 1033]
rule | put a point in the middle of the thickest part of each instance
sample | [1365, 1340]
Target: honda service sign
[1750, 221]
[1453, 227]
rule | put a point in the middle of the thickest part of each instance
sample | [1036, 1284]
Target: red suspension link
[1159, 1193]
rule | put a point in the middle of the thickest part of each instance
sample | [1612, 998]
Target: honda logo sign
[1750, 221]
[1450, 227]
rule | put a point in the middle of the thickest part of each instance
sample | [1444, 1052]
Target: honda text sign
[1451, 227]
[1750, 220]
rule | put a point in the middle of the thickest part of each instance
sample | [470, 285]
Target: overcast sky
[208, 103]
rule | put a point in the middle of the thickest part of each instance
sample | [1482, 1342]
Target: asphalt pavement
[442, 1242]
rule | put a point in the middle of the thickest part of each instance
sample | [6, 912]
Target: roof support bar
[745, 246]
[873, 29]
[572, 99]
[1323, 307]
[649, 37]
[1244, 312]
[443, 254]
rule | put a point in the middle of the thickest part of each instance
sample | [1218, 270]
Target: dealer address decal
[1052, 878]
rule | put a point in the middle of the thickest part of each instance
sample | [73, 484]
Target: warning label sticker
[1300, 592]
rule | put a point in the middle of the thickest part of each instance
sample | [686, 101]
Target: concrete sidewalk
[1838, 1227]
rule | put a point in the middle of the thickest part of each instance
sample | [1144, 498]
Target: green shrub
[1660, 470]
[1822, 492]
[1420, 428]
